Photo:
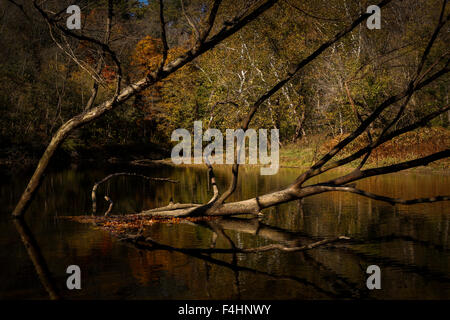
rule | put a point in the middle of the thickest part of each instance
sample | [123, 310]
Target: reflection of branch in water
[218, 230]
[207, 269]
[253, 226]
[273, 233]
[256, 227]
[423, 271]
[36, 257]
[197, 253]
[289, 237]
[341, 283]
[300, 210]
[393, 237]
[237, 284]
[149, 242]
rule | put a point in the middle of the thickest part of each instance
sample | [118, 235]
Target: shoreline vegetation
[303, 154]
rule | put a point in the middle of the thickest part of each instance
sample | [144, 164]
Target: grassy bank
[412, 145]
[409, 146]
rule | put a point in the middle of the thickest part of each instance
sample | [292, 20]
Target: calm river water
[410, 244]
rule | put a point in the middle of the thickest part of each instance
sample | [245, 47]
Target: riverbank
[303, 154]
[411, 145]
[26, 156]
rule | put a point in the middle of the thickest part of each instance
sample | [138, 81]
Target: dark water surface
[409, 243]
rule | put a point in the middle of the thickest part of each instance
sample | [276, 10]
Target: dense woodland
[47, 77]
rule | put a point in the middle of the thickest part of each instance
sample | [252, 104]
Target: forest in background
[43, 86]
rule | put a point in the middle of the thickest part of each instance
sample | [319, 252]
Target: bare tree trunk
[299, 131]
[36, 179]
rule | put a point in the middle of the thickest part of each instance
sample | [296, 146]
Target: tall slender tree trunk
[38, 174]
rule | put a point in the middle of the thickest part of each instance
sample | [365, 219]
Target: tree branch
[210, 21]
[103, 45]
[94, 188]
[163, 35]
[119, 98]
[390, 200]
[281, 83]
[358, 175]
[317, 167]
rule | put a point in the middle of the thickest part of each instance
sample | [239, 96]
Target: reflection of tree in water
[36, 257]
[339, 286]
[327, 281]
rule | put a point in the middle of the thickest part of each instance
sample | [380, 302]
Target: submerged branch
[94, 188]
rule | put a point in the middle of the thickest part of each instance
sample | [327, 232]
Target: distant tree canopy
[42, 86]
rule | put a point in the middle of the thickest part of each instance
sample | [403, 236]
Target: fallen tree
[218, 205]
[345, 183]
